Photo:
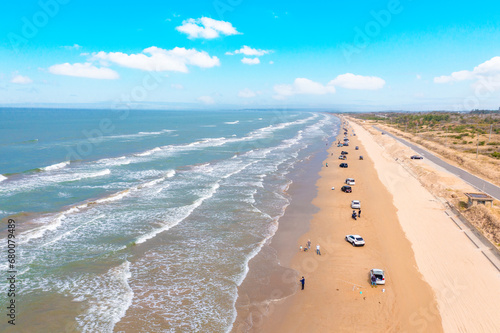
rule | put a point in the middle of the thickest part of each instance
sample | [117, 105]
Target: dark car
[416, 157]
[343, 165]
[343, 153]
[345, 144]
[346, 189]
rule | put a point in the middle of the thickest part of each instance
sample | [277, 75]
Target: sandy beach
[407, 234]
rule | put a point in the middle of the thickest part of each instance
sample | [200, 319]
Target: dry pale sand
[338, 296]
[466, 285]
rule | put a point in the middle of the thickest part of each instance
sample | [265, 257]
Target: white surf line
[71, 231]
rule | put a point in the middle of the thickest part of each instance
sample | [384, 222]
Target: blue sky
[363, 55]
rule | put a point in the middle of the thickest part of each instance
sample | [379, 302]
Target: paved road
[480, 184]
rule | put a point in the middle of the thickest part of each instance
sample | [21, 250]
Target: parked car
[342, 157]
[417, 157]
[357, 148]
[355, 240]
[343, 165]
[346, 189]
[345, 144]
[343, 153]
[339, 145]
[379, 274]
[361, 157]
[355, 204]
[350, 181]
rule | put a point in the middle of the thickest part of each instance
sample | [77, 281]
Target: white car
[350, 181]
[355, 204]
[355, 240]
[379, 274]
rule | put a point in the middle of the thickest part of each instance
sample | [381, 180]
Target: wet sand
[338, 296]
[270, 279]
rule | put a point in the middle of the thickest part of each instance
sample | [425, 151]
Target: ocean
[141, 220]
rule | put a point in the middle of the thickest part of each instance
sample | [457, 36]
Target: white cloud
[489, 69]
[206, 100]
[250, 61]
[359, 82]
[248, 51]
[19, 79]
[73, 47]
[177, 86]
[207, 28]
[86, 70]
[160, 60]
[271, 62]
[455, 76]
[419, 76]
[302, 86]
[246, 93]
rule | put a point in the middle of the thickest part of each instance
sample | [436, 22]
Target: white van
[350, 181]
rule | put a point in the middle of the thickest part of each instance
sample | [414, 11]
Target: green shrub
[481, 143]
[495, 154]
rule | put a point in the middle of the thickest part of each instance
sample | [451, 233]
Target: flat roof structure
[478, 198]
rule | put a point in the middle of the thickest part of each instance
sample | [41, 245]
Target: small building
[478, 199]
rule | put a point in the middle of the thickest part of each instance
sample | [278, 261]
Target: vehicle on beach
[343, 165]
[339, 145]
[346, 189]
[350, 181]
[342, 157]
[345, 144]
[417, 157]
[343, 153]
[379, 275]
[355, 240]
[355, 204]
[357, 148]
[361, 157]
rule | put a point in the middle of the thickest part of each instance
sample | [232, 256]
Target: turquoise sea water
[144, 221]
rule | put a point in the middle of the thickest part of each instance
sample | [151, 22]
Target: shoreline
[337, 280]
[270, 279]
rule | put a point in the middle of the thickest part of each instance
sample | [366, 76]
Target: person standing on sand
[308, 244]
[317, 250]
[374, 280]
[303, 282]
[359, 213]
[300, 248]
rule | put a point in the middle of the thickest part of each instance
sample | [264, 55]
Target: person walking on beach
[327, 164]
[308, 244]
[303, 282]
[374, 281]
[317, 250]
[359, 213]
[300, 248]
